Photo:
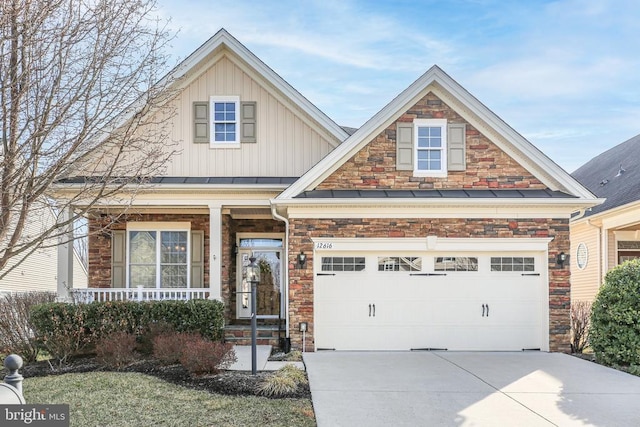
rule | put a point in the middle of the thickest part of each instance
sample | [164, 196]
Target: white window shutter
[201, 122]
[248, 112]
[456, 147]
[404, 146]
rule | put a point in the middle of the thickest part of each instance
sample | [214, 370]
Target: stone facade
[301, 232]
[374, 166]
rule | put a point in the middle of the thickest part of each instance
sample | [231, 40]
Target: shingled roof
[614, 175]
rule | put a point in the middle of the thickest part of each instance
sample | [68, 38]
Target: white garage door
[399, 300]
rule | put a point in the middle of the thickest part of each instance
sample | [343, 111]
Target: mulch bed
[236, 383]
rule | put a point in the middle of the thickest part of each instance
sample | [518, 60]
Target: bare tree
[80, 104]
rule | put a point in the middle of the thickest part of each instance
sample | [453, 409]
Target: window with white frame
[158, 258]
[430, 147]
[225, 119]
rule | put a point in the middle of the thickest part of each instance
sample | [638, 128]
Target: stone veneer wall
[374, 166]
[100, 242]
[301, 280]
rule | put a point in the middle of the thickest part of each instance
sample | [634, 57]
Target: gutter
[279, 217]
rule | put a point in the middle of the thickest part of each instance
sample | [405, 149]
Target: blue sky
[565, 74]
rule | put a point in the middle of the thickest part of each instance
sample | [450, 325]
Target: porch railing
[88, 295]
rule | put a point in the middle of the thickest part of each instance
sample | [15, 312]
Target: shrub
[201, 356]
[59, 329]
[167, 347]
[148, 334]
[116, 350]
[16, 328]
[67, 329]
[580, 316]
[284, 382]
[615, 318]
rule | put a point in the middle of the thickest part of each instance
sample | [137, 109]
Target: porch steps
[241, 335]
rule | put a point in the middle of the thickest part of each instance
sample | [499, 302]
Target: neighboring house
[434, 225]
[609, 234]
[38, 271]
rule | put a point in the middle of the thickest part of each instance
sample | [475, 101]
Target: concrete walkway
[468, 389]
[243, 354]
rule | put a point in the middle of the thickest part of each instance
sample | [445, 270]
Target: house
[609, 234]
[37, 271]
[434, 225]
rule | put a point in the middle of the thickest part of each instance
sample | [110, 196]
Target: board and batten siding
[288, 142]
[585, 283]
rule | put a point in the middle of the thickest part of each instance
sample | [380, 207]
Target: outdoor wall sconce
[302, 259]
[561, 258]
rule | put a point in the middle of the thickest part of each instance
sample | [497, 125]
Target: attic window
[430, 147]
[224, 119]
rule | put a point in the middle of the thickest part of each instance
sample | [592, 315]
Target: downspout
[598, 249]
[277, 216]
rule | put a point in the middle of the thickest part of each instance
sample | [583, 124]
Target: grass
[133, 399]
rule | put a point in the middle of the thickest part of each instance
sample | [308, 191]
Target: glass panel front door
[268, 296]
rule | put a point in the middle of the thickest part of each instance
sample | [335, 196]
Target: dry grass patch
[133, 399]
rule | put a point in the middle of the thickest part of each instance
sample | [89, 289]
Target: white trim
[433, 123]
[465, 244]
[151, 225]
[215, 252]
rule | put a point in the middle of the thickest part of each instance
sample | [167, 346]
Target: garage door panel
[374, 309]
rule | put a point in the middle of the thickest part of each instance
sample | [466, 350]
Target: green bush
[66, 329]
[615, 317]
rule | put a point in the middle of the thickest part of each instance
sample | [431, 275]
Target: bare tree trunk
[79, 101]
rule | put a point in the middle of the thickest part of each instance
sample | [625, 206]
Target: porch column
[215, 252]
[65, 255]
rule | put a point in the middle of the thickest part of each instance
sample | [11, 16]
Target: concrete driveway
[468, 389]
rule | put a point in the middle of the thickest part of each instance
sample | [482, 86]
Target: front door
[269, 289]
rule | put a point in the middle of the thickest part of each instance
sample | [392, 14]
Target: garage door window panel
[343, 264]
[517, 264]
[456, 264]
[399, 263]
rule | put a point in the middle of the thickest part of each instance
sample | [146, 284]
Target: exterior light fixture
[561, 258]
[302, 259]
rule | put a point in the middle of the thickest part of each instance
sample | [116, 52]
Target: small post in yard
[13, 362]
[253, 276]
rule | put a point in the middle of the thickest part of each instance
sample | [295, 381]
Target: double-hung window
[159, 256]
[430, 147]
[225, 121]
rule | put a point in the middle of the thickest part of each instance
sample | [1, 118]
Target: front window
[430, 147]
[158, 258]
[225, 115]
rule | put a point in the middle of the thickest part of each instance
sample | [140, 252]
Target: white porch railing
[88, 295]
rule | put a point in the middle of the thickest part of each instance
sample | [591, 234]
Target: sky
[565, 74]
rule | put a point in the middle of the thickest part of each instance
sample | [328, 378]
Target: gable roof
[437, 81]
[601, 175]
[188, 69]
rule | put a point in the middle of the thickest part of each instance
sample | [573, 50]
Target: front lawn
[135, 399]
